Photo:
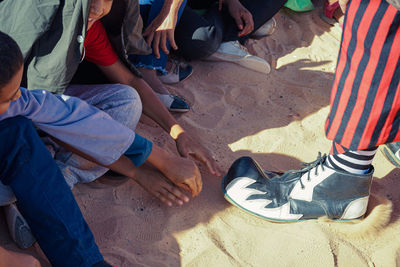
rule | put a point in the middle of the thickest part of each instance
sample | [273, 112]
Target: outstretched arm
[80, 128]
[183, 173]
[153, 108]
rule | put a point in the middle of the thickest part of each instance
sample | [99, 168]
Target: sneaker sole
[254, 65]
[390, 156]
[230, 200]
[179, 110]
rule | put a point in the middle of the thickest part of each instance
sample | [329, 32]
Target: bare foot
[154, 182]
[183, 172]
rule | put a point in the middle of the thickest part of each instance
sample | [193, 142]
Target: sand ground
[277, 119]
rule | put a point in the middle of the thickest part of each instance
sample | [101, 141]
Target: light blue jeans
[121, 102]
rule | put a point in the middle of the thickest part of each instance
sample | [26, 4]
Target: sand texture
[278, 119]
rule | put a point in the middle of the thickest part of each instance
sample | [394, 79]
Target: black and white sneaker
[309, 193]
[392, 153]
[174, 103]
[179, 72]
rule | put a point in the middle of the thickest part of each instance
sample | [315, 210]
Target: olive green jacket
[51, 33]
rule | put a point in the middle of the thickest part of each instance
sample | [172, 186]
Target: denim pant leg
[44, 198]
[121, 102]
[149, 9]
[262, 11]
[199, 36]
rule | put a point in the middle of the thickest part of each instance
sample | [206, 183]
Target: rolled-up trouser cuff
[139, 151]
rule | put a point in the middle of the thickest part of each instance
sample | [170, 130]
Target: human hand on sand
[187, 146]
[155, 183]
[242, 17]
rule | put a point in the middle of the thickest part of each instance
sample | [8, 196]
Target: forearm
[176, 4]
[171, 7]
[159, 158]
[169, 14]
[123, 165]
[153, 107]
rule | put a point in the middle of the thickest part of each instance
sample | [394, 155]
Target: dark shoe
[179, 71]
[309, 193]
[19, 229]
[392, 153]
[174, 103]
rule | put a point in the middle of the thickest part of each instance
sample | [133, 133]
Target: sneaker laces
[240, 46]
[309, 166]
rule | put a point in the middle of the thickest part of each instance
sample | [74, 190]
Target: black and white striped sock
[356, 162]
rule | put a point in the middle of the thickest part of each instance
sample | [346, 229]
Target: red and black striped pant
[365, 97]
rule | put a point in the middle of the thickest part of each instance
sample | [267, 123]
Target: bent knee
[130, 106]
[132, 98]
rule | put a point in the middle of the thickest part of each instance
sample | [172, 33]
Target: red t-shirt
[98, 49]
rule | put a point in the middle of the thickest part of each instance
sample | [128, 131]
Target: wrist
[175, 6]
[176, 131]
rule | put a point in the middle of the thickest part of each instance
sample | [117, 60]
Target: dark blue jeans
[149, 9]
[199, 36]
[43, 196]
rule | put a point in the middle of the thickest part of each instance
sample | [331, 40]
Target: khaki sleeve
[132, 30]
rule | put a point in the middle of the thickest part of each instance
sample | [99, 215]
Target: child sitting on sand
[28, 169]
[51, 62]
